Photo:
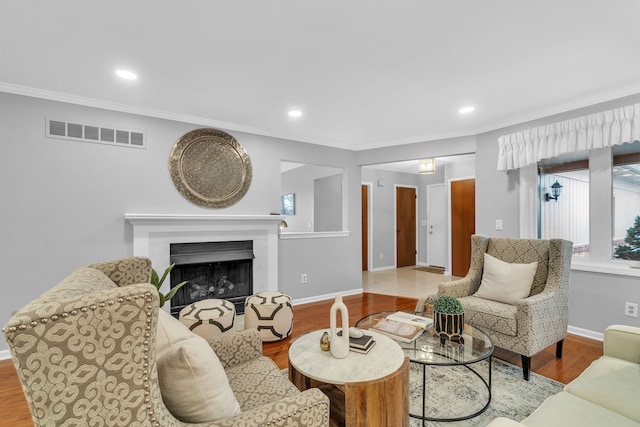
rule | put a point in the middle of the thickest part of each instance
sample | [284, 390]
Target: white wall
[63, 202]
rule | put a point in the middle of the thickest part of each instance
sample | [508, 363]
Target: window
[626, 201]
[598, 205]
[564, 213]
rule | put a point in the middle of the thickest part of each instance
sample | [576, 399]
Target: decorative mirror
[210, 168]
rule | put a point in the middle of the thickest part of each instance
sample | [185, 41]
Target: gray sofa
[87, 352]
[606, 394]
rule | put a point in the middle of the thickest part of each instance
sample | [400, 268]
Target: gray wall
[327, 203]
[63, 201]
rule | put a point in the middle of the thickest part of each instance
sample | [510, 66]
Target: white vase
[339, 343]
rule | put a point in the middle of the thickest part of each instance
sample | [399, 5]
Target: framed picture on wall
[288, 204]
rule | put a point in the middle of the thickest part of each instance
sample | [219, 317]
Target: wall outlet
[498, 224]
[381, 255]
[630, 309]
[303, 278]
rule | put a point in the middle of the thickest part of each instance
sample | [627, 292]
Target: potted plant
[448, 317]
[157, 282]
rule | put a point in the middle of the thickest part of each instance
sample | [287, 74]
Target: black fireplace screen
[221, 270]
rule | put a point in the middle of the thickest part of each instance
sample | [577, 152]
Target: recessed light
[465, 110]
[295, 113]
[127, 75]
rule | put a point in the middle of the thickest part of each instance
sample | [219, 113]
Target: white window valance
[607, 128]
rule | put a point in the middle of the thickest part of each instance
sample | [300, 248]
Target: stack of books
[364, 344]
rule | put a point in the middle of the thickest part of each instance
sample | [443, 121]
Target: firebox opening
[221, 270]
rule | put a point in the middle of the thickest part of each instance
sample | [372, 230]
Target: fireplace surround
[153, 235]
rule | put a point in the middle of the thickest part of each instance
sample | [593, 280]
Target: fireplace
[153, 235]
[221, 270]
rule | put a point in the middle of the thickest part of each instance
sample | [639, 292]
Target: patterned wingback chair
[531, 324]
[85, 354]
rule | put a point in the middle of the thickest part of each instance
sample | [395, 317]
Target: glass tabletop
[429, 349]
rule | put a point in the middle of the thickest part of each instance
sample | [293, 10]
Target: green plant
[157, 282]
[448, 304]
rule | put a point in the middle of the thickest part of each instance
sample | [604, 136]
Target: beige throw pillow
[193, 383]
[505, 282]
[170, 331]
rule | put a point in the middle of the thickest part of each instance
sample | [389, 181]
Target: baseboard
[599, 336]
[5, 354]
[389, 267]
[326, 296]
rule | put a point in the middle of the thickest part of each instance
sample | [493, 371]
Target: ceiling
[364, 73]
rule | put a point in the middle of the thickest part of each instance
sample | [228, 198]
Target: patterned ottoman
[270, 313]
[209, 317]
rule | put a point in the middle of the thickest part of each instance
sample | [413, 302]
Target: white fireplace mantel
[154, 233]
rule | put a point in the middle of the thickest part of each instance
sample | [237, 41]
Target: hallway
[404, 281]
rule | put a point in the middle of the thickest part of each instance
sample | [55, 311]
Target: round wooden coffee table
[428, 350]
[365, 389]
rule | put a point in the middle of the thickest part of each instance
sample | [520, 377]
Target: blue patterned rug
[453, 391]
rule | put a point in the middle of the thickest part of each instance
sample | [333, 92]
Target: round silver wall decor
[209, 167]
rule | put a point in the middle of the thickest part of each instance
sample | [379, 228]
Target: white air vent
[61, 129]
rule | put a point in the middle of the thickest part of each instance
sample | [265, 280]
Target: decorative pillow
[505, 282]
[170, 331]
[193, 383]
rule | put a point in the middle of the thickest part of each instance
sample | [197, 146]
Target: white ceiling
[365, 73]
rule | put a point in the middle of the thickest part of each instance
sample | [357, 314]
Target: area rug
[453, 391]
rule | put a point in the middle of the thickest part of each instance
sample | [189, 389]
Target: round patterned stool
[209, 317]
[270, 313]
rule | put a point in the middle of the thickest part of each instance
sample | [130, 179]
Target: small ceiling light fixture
[556, 188]
[295, 113]
[126, 75]
[427, 166]
[465, 110]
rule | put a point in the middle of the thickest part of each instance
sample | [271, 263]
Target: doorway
[365, 227]
[463, 224]
[405, 226]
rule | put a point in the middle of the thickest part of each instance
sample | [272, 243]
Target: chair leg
[526, 364]
[559, 349]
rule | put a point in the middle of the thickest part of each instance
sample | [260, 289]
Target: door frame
[449, 238]
[370, 222]
[395, 221]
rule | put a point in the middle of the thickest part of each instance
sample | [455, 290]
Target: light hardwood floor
[392, 287]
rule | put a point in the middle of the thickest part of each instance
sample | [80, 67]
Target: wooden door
[405, 226]
[463, 224]
[365, 228]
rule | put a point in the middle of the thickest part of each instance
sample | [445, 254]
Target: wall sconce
[555, 190]
[427, 166]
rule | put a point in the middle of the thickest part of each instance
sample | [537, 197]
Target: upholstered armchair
[525, 323]
[96, 350]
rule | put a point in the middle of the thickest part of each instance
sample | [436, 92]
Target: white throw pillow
[170, 331]
[193, 383]
[505, 282]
